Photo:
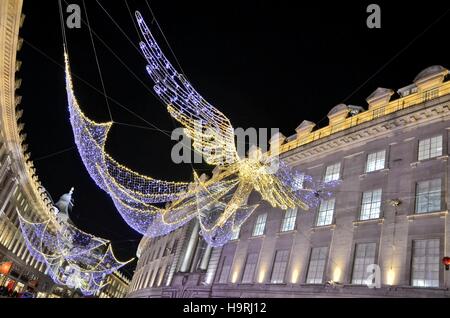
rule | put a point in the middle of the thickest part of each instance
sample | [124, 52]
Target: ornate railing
[391, 107]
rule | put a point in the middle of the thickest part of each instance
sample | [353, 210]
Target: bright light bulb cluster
[221, 202]
[73, 258]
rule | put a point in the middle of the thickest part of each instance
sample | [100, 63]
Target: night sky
[265, 64]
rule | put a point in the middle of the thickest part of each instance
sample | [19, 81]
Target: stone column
[205, 259]
[197, 255]
[4, 167]
[5, 234]
[190, 250]
[6, 194]
[22, 246]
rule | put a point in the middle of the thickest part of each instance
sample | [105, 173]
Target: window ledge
[425, 215]
[286, 232]
[257, 236]
[365, 174]
[416, 163]
[323, 227]
[370, 221]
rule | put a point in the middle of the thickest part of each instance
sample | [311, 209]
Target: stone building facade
[117, 286]
[20, 188]
[386, 227]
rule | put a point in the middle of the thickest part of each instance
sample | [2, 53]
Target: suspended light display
[72, 257]
[221, 202]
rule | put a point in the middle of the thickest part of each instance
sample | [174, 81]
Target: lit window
[430, 148]
[225, 272]
[376, 161]
[279, 266]
[288, 223]
[332, 173]
[326, 212]
[235, 235]
[364, 256]
[371, 205]
[260, 225]
[250, 267]
[425, 263]
[317, 265]
[428, 196]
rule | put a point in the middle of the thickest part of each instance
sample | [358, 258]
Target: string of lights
[72, 257]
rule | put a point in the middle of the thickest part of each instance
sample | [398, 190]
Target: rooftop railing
[391, 107]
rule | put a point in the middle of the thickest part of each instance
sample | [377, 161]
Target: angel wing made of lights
[210, 130]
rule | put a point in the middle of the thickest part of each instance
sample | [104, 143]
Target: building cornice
[11, 20]
[413, 116]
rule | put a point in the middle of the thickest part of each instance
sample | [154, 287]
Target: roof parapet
[380, 97]
[338, 114]
[430, 77]
[304, 129]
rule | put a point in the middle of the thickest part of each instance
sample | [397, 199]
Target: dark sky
[265, 64]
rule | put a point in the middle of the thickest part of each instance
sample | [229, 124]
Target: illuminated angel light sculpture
[72, 257]
[138, 198]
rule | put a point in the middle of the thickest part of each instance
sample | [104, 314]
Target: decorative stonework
[381, 127]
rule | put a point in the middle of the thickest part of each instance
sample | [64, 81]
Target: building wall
[394, 126]
[16, 189]
[117, 286]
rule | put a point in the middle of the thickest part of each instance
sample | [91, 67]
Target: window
[235, 235]
[364, 256]
[260, 225]
[279, 266]
[430, 148]
[288, 223]
[425, 263]
[326, 211]
[332, 173]
[317, 265]
[250, 267]
[376, 161]
[428, 196]
[371, 205]
[225, 272]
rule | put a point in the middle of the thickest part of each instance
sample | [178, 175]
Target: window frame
[257, 224]
[286, 266]
[380, 214]
[339, 172]
[439, 257]
[287, 220]
[429, 156]
[316, 223]
[255, 266]
[355, 250]
[366, 170]
[416, 197]
[324, 266]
